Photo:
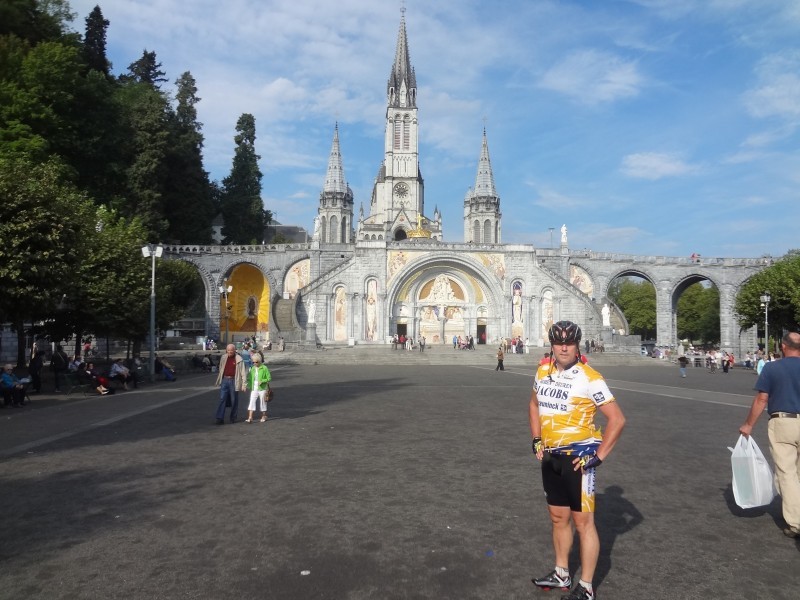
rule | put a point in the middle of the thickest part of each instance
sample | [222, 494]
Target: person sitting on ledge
[122, 374]
[13, 387]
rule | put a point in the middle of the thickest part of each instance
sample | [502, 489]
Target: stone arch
[487, 232]
[400, 234]
[248, 296]
[323, 229]
[450, 263]
[476, 232]
[343, 237]
[675, 293]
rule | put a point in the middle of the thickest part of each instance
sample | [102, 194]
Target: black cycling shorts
[564, 486]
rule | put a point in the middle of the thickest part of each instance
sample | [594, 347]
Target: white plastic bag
[753, 484]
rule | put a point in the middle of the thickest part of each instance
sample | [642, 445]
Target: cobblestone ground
[374, 481]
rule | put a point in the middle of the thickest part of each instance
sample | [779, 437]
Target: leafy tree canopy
[637, 301]
[782, 281]
[698, 314]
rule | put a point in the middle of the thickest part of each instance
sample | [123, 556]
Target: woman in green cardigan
[258, 379]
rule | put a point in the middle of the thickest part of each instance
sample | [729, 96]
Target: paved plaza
[375, 481]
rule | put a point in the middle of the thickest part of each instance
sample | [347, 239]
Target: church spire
[401, 89]
[482, 204]
[335, 210]
[334, 180]
[484, 181]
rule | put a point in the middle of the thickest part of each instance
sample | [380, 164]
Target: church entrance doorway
[481, 334]
[402, 329]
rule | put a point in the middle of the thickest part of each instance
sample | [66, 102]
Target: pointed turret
[401, 90]
[484, 181]
[334, 180]
[482, 204]
[335, 210]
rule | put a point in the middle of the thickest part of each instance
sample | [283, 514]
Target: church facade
[364, 278]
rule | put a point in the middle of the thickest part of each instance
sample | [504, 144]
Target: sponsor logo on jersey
[598, 397]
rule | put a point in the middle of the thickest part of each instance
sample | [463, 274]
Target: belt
[784, 415]
[227, 377]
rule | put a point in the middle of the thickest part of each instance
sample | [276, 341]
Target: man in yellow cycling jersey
[566, 395]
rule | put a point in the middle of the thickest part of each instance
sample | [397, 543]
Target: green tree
[242, 207]
[34, 20]
[188, 203]
[178, 286]
[782, 281]
[698, 314]
[145, 120]
[147, 70]
[94, 42]
[637, 301]
[42, 223]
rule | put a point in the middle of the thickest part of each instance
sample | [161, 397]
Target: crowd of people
[715, 361]
[408, 343]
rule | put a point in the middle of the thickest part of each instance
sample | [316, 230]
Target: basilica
[363, 278]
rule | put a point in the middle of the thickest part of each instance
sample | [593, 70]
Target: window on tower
[397, 131]
[406, 134]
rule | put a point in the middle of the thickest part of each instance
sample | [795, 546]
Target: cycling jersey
[568, 401]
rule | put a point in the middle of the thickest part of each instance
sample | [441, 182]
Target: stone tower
[335, 212]
[398, 196]
[482, 204]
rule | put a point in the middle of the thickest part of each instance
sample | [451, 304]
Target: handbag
[753, 483]
[269, 394]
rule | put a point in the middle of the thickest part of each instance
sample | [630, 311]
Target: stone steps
[433, 355]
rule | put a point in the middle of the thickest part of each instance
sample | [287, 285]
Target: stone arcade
[361, 281]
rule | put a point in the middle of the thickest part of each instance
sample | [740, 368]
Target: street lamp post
[153, 251]
[765, 303]
[226, 289]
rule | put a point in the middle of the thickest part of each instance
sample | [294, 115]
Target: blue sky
[660, 127]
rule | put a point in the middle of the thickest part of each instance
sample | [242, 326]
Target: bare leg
[562, 534]
[590, 543]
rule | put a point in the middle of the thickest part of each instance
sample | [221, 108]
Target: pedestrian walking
[232, 379]
[778, 390]
[682, 362]
[35, 370]
[258, 378]
[500, 357]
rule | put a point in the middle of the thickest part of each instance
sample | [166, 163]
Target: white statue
[312, 311]
[564, 234]
[606, 316]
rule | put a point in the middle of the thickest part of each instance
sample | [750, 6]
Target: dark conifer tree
[188, 203]
[242, 207]
[94, 42]
[146, 70]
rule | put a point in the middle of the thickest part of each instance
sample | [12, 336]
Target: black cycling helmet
[564, 332]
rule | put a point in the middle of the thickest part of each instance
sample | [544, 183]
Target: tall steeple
[335, 212]
[398, 196]
[482, 204]
[401, 90]
[484, 181]
[334, 180]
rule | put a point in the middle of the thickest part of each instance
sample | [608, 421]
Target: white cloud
[593, 77]
[654, 165]
[778, 91]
